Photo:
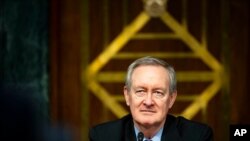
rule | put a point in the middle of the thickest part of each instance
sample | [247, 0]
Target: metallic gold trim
[106, 99]
[194, 45]
[117, 44]
[202, 100]
[152, 36]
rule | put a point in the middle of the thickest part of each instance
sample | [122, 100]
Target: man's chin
[147, 122]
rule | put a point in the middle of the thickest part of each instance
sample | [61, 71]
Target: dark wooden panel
[65, 64]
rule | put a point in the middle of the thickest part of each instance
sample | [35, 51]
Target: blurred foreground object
[20, 120]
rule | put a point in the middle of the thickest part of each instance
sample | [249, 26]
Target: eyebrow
[154, 89]
[139, 87]
[162, 89]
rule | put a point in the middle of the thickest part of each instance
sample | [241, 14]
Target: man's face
[149, 97]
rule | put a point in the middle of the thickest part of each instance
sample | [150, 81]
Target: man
[150, 91]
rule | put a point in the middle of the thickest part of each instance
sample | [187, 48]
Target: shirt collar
[156, 137]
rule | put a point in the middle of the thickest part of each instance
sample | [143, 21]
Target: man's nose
[148, 100]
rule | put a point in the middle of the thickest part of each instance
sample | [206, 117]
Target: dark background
[24, 49]
[41, 47]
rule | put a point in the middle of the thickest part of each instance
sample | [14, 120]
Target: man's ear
[126, 95]
[172, 98]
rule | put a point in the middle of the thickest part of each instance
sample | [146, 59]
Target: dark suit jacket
[175, 129]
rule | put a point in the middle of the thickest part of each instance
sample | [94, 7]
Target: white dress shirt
[157, 136]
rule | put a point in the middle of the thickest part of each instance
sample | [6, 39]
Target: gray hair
[155, 62]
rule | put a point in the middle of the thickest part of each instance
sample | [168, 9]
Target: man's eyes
[142, 92]
[159, 93]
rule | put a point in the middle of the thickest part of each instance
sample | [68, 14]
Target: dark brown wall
[65, 64]
[239, 45]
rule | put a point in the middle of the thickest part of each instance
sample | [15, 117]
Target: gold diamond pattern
[93, 76]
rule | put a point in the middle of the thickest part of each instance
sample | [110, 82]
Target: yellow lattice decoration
[93, 76]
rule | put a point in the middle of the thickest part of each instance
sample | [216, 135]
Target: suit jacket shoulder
[118, 130]
[179, 128]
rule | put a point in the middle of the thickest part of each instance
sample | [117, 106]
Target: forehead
[150, 73]
[151, 67]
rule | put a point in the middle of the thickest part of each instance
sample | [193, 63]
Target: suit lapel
[170, 131]
[129, 134]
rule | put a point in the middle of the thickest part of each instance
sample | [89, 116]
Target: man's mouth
[148, 111]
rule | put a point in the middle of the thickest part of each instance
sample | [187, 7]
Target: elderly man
[150, 91]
